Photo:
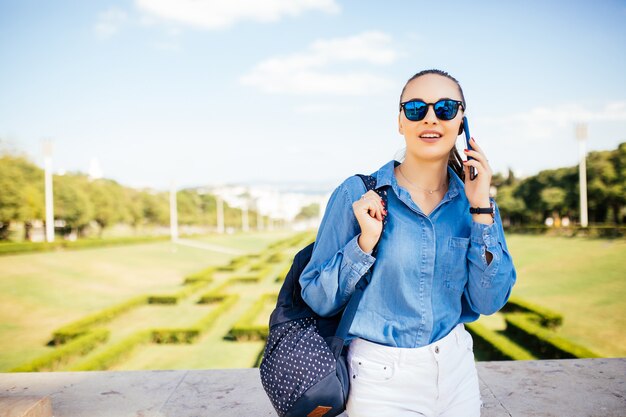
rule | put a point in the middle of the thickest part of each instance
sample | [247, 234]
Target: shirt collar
[385, 176]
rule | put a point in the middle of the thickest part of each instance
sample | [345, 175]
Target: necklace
[417, 186]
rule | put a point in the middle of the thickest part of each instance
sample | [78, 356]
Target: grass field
[43, 291]
[584, 279]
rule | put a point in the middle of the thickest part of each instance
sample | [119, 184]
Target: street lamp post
[49, 200]
[581, 135]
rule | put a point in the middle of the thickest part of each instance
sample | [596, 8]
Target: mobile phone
[472, 170]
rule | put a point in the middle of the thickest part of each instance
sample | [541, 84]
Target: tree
[21, 195]
[71, 201]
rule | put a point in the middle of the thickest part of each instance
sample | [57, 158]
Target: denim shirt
[430, 272]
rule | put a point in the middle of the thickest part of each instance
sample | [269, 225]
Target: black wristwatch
[486, 210]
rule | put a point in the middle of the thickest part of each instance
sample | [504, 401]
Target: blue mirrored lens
[446, 109]
[415, 110]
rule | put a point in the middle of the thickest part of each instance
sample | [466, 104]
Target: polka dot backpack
[303, 368]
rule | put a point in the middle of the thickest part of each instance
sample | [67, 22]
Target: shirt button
[436, 349]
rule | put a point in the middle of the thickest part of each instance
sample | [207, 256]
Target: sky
[305, 91]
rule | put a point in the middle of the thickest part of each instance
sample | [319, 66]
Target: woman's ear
[400, 127]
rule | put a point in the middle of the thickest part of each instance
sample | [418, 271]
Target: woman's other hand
[369, 211]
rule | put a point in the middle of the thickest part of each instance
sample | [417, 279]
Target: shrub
[544, 343]
[64, 354]
[547, 317]
[495, 345]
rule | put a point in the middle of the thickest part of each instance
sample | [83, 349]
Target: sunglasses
[445, 109]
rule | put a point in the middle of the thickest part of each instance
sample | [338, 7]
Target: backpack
[304, 369]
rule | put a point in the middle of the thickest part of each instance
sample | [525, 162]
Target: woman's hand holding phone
[369, 211]
[472, 170]
[477, 191]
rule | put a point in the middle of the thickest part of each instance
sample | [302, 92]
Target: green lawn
[584, 279]
[42, 291]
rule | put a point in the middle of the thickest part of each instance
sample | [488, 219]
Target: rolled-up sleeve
[490, 284]
[337, 262]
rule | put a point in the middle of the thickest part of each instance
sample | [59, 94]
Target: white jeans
[437, 380]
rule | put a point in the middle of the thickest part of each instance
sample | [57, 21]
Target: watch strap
[484, 210]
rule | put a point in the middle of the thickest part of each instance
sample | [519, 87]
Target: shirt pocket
[371, 370]
[455, 270]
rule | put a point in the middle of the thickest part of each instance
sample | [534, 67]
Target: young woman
[437, 265]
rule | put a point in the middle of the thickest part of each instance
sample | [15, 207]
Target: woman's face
[430, 88]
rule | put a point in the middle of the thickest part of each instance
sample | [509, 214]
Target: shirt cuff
[354, 256]
[484, 234]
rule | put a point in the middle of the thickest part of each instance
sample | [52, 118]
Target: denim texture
[430, 272]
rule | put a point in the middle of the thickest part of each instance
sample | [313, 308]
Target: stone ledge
[565, 387]
[25, 406]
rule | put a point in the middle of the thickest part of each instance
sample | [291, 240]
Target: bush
[205, 275]
[543, 343]
[548, 318]
[245, 328]
[11, 248]
[115, 353]
[81, 326]
[494, 345]
[64, 354]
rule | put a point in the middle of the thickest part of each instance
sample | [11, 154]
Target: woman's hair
[454, 159]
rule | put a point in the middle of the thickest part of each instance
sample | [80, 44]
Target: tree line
[79, 201]
[555, 192]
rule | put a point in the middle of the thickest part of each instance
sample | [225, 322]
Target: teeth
[430, 135]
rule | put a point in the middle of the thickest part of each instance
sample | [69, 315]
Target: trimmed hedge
[544, 343]
[185, 292]
[276, 258]
[205, 275]
[114, 354]
[595, 231]
[215, 294]
[283, 273]
[245, 278]
[62, 355]
[548, 318]
[207, 321]
[12, 248]
[245, 329]
[496, 346]
[119, 351]
[227, 268]
[81, 326]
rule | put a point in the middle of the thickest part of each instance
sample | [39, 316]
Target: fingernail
[465, 150]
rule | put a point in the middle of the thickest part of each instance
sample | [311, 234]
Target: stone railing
[565, 387]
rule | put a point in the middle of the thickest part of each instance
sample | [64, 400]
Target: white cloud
[547, 122]
[109, 23]
[309, 72]
[216, 14]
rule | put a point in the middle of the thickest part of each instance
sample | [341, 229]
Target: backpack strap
[350, 311]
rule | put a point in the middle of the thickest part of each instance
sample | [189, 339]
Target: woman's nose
[430, 115]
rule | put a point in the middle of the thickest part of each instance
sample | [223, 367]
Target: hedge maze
[248, 285]
[105, 338]
[531, 333]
